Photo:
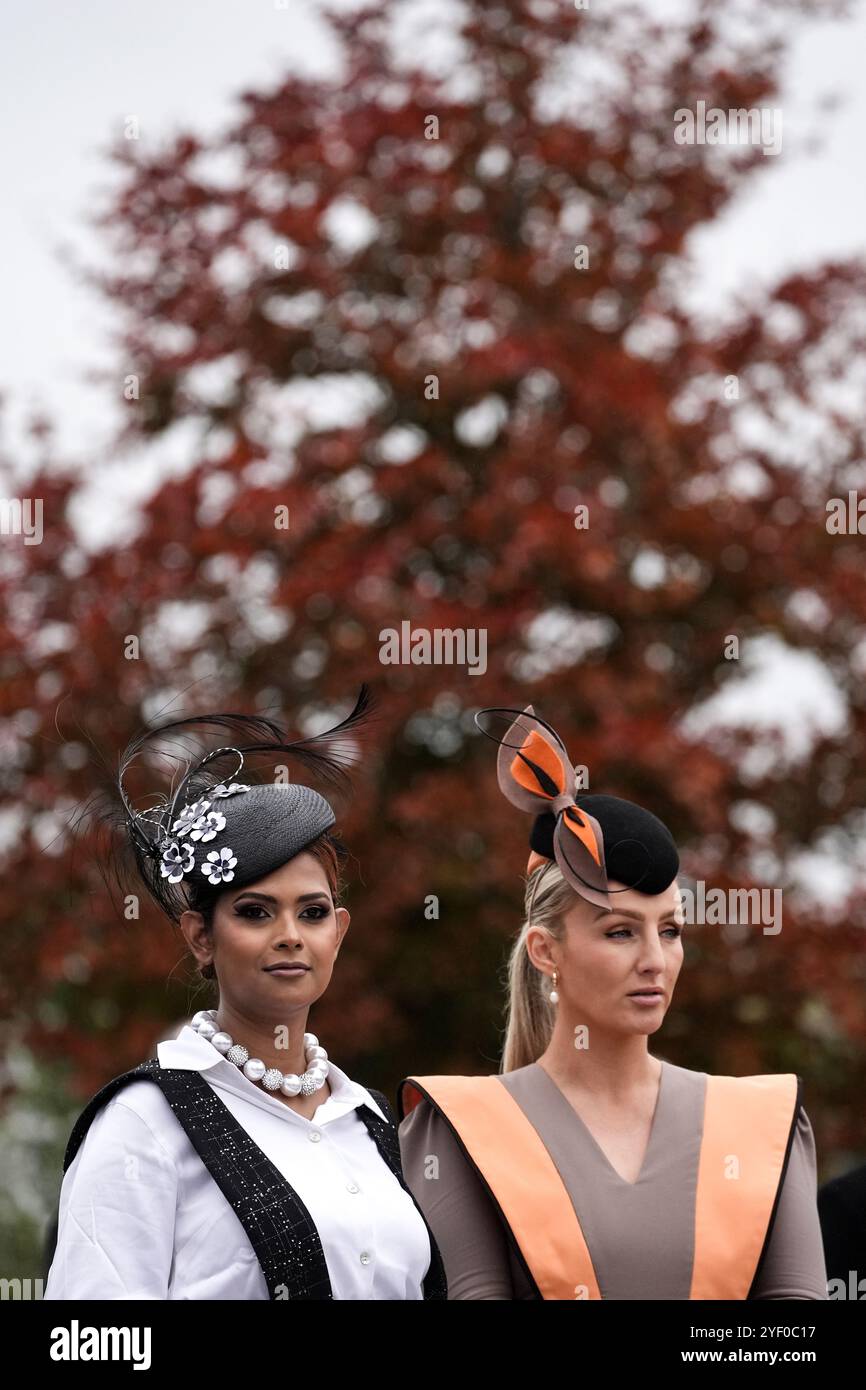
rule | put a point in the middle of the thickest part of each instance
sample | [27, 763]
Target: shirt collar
[191, 1052]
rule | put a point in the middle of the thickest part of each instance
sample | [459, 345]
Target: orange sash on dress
[747, 1135]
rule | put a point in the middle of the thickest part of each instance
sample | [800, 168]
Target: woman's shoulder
[144, 1098]
[421, 1115]
[674, 1071]
[430, 1147]
[134, 1114]
[788, 1083]
[416, 1103]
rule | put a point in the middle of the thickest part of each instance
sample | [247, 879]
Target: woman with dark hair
[242, 1163]
[589, 1168]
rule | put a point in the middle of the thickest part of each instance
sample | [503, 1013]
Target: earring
[553, 996]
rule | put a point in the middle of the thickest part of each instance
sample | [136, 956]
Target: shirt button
[315, 1136]
[365, 1258]
[353, 1187]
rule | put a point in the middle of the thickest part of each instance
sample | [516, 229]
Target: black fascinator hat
[594, 839]
[219, 825]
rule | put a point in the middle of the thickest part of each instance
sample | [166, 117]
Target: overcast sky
[69, 75]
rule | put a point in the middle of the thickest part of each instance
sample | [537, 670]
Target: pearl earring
[554, 993]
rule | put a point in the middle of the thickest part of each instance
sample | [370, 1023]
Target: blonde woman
[591, 1168]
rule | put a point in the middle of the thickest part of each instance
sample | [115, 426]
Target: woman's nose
[288, 930]
[651, 955]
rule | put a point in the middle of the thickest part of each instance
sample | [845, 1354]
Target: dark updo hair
[327, 848]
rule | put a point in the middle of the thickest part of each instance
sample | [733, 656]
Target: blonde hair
[530, 1015]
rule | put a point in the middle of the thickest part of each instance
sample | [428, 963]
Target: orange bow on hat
[535, 773]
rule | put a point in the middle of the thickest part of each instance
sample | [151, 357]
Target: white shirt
[140, 1216]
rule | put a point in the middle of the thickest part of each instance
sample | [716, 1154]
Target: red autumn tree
[425, 320]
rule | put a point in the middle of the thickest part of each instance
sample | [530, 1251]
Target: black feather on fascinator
[215, 826]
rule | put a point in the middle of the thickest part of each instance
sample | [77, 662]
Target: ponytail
[530, 1014]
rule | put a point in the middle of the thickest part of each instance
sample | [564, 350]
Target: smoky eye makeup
[248, 907]
[254, 910]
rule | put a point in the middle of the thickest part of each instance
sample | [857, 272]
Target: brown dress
[640, 1235]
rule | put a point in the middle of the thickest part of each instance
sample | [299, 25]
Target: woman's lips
[647, 999]
[287, 970]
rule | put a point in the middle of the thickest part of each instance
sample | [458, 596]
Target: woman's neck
[612, 1065]
[278, 1044]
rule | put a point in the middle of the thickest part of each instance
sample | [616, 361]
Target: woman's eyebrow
[637, 916]
[267, 898]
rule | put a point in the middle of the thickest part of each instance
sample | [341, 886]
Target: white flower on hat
[206, 827]
[192, 817]
[232, 790]
[177, 860]
[219, 866]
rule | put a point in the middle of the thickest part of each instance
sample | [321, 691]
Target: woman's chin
[645, 1027]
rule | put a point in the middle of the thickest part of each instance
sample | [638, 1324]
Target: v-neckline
[591, 1137]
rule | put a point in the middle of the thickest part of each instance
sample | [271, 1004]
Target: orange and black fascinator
[592, 838]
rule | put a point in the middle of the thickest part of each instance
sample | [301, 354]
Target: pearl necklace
[313, 1079]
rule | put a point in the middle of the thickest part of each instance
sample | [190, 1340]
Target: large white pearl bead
[222, 1042]
[254, 1069]
[310, 1040]
[199, 1018]
[207, 1030]
[291, 1084]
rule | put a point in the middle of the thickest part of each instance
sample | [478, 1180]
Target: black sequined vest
[278, 1225]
